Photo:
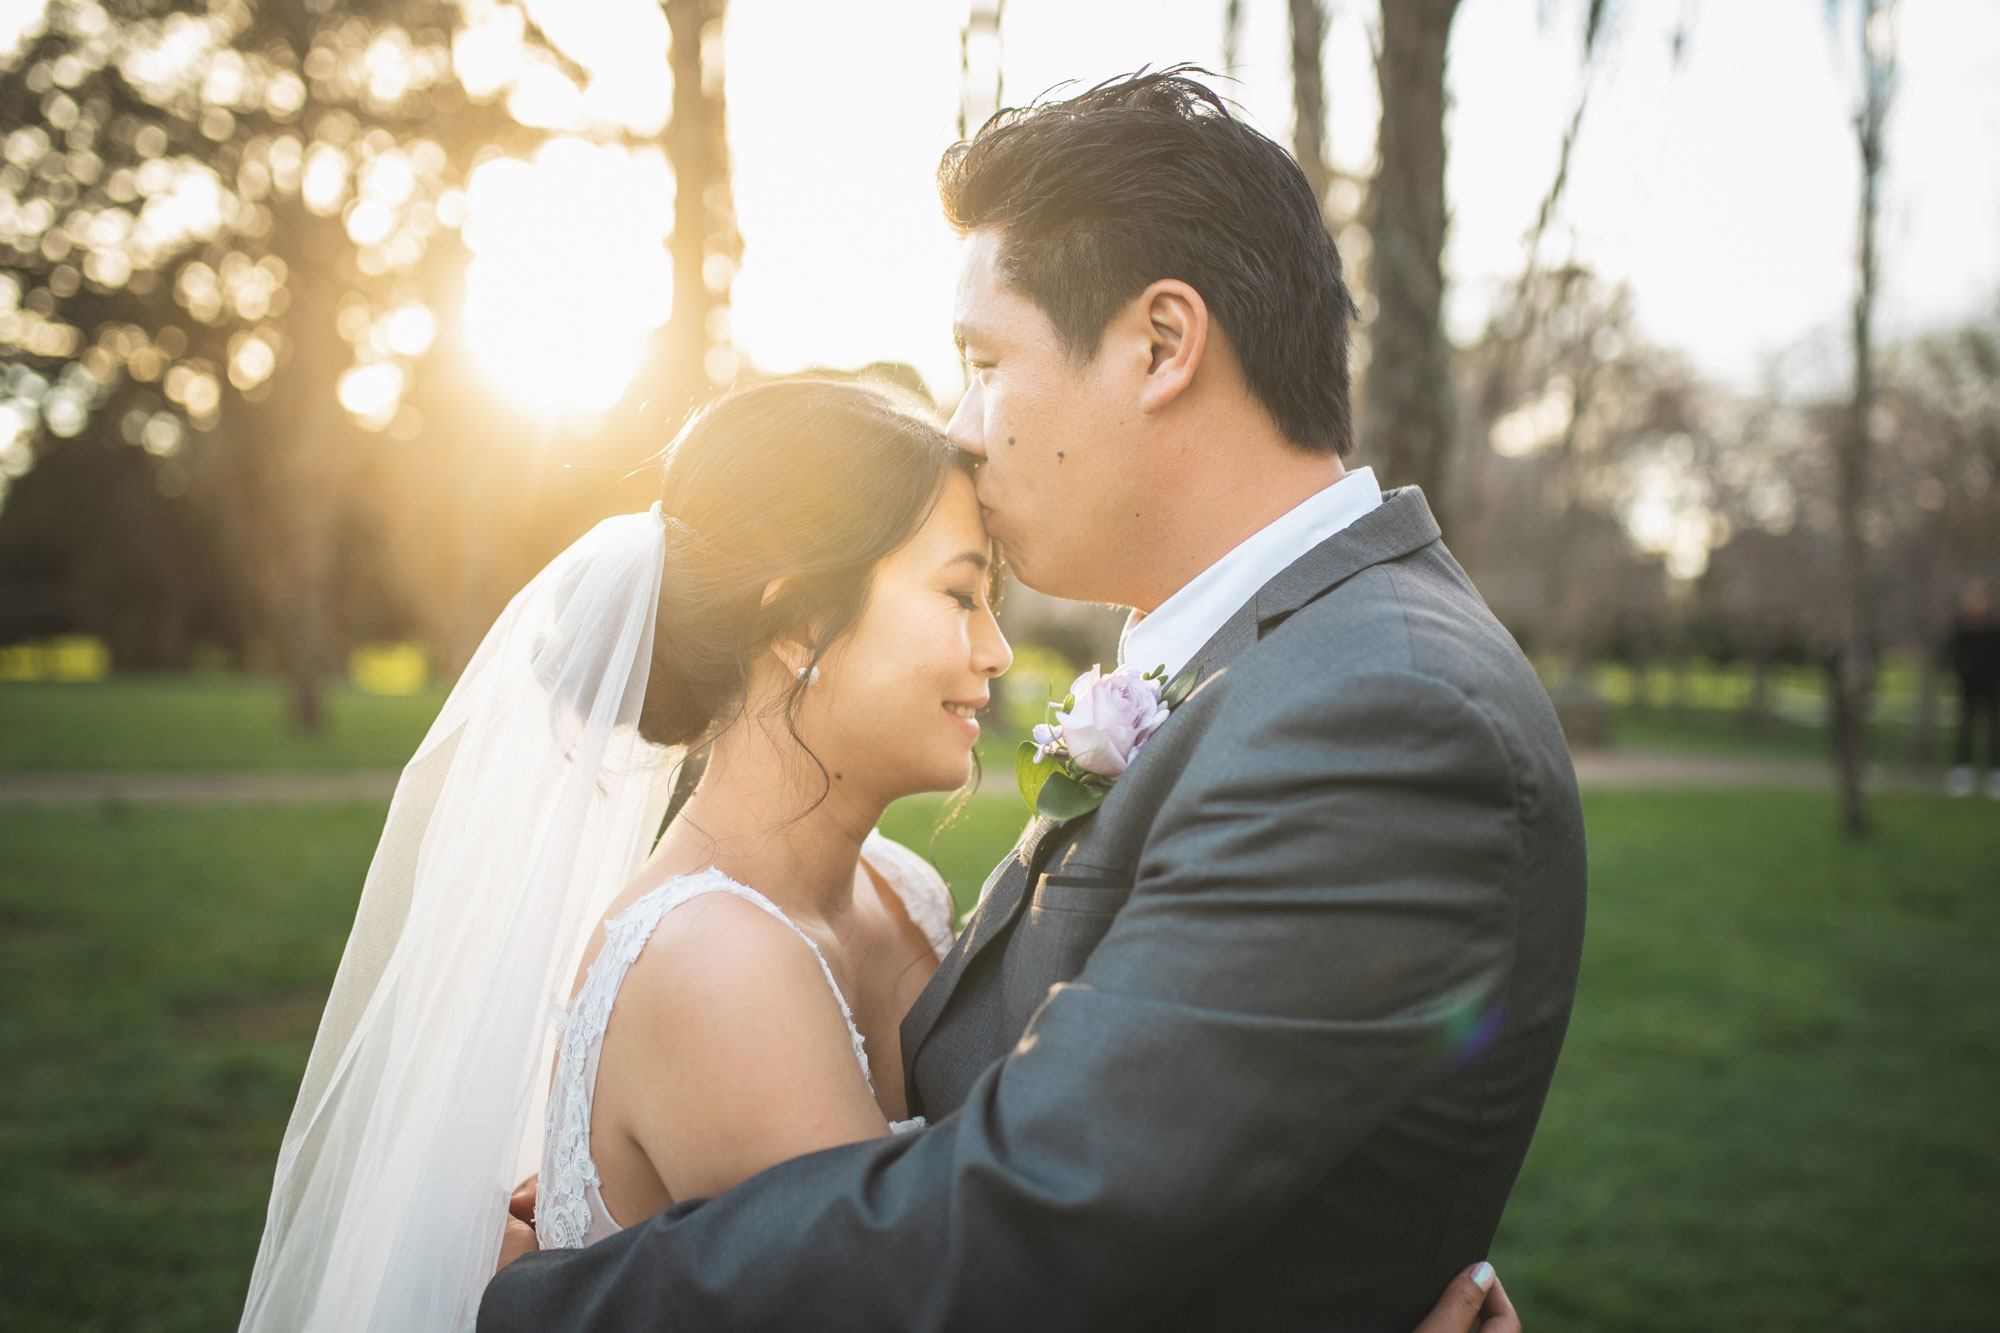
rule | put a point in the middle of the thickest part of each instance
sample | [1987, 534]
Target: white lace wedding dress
[570, 1209]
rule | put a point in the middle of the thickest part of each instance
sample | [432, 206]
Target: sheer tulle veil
[528, 806]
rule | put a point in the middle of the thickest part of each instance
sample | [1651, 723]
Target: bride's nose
[991, 654]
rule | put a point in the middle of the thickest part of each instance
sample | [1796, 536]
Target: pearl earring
[810, 675]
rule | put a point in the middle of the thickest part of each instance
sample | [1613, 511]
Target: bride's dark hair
[812, 481]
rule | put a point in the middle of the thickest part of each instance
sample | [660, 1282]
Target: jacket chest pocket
[1080, 894]
[1065, 920]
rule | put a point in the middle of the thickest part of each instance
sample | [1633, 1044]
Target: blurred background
[323, 326]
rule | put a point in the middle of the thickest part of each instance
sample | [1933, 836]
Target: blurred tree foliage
[230, 245]
[1568, 418]
[1616, 505]
[1608, 501]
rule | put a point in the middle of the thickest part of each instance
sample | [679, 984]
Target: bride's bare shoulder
[728, 1051]
[720, 949]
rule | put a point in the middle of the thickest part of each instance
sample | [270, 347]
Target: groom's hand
[521, 1203]
[518, 1236]
[516, 1240]
[1475, 1302]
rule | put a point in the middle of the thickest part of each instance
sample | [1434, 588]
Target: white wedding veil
[528, 806]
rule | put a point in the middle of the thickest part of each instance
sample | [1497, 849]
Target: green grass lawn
[161, 973]
[1774, 1110]
[202, 722]
[1775, 1106]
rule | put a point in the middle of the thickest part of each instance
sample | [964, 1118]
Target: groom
[1259, 1043]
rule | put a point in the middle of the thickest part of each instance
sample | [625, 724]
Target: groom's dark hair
[1148, 177]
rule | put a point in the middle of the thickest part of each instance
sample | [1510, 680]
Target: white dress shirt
[1179, 626]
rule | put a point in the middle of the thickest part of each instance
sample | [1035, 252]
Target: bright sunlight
[570, 273]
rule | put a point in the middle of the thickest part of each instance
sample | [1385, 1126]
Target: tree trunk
[1852, 672]
[1923, 726]
[311, 571]
[307, 480]
[1757, 712]
[705, 243]
[1410, 415]
[979, 67]
[1308, 93]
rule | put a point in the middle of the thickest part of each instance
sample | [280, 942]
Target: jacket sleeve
[1315, 930]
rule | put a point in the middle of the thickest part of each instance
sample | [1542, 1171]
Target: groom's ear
[1173, 319]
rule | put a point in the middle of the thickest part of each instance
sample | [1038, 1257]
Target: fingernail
[1482, 1275]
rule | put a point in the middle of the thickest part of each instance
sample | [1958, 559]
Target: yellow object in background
[389, 668]
[1038, 676]
[71, 657]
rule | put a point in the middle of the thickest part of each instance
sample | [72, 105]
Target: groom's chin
[1021, 564]
[1056, 581]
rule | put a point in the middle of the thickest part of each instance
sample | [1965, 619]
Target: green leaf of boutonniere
[1180, 687]
[1062, 798]
[1029, 775]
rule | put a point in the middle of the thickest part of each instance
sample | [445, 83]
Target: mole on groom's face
[1056, 433]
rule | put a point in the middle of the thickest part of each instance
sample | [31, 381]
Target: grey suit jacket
[1260, 1043]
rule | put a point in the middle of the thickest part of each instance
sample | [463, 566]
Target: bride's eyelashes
[967, 601]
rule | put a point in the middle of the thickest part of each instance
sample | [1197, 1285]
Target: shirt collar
[1175, 630]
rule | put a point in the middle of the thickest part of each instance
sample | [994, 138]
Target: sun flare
[570, 274]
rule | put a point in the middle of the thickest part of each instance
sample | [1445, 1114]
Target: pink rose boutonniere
[1092, 737]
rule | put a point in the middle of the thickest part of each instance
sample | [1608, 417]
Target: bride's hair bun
[812, 481]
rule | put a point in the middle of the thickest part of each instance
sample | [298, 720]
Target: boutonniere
[1092, 737]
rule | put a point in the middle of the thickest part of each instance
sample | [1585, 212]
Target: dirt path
[295, 786]
[1610, 769]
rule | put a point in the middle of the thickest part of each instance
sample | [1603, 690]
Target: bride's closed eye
[967, 601]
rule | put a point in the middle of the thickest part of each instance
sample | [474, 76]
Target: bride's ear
[794, 648]
[793, 652]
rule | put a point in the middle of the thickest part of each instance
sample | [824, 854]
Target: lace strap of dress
[926, 897]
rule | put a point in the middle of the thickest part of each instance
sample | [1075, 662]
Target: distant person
[1974, 650]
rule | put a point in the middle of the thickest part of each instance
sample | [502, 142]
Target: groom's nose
[966, 427]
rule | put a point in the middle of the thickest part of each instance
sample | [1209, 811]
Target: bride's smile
[894, 712]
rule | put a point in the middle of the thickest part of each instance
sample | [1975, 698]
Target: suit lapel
[1402, 523]
[1002, 893]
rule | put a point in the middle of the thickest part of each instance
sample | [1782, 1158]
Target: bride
[797, 634]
